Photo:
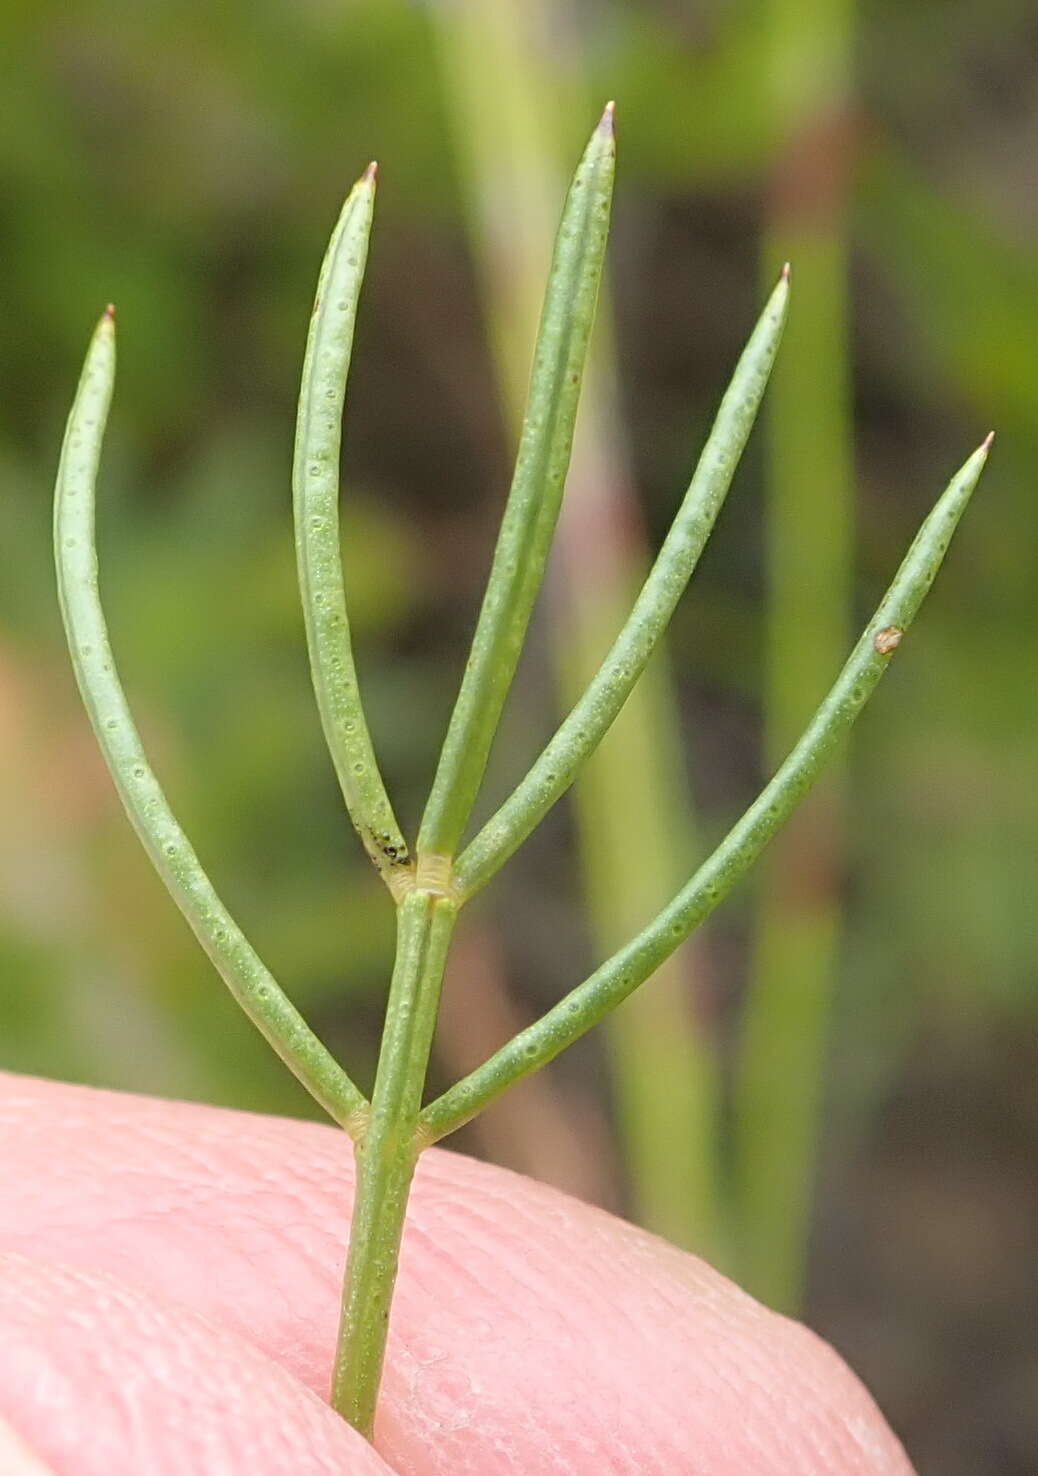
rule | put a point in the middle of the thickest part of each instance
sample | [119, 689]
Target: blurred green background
[834, 1093]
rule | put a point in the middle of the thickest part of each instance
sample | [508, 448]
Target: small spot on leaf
[888, 639]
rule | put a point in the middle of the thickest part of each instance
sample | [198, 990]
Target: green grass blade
[502, 60]
[249, 981]
[592, 716]
[797, 923]
[584, 1006]
[535, 496]
[315, 485]
[784, 1023]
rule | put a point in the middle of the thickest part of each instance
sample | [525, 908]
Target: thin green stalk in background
[392, 1130]
[809, 489]
[503, 60]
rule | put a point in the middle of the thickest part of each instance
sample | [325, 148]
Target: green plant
[429, 886]
[798, 924]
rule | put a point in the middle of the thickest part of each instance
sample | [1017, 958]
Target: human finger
[530, 1332]
[99, 1379]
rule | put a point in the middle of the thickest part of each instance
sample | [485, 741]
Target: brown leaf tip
[988, 441]
[110, 312]
[370, 174]
[607, 124]
[785, 271]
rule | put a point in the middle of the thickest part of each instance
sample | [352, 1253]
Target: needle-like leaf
[610, 984]
[249, 981]
[315, 482]
[535, 496]
[592, 716]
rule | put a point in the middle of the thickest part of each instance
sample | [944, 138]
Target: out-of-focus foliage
[188, 162]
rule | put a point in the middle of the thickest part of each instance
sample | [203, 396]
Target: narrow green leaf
[249, 981]
[592, 716]
[315, 483]
[535, 496]
[610, 984]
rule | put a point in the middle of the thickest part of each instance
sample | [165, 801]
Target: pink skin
[169, 1282]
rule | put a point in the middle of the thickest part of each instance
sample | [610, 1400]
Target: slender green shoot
[797, 908]
[315, 484]
[249, 981]
[391, 1131]
[535, 497]
[796, 916]
[631, 966]
[592, 716]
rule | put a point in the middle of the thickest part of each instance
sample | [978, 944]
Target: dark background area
[188, 162]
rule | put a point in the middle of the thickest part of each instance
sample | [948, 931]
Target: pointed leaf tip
[109, 312]
[988, 441]
[371, 173]
[785, 272]
[606, 124]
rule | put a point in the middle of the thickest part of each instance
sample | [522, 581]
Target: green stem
[503, 60]
[387, 1154]
[785, 1020]
[631, 966]
[809, 474]
[315, 481]
[171, 853]
[594, 713]
[535, 497]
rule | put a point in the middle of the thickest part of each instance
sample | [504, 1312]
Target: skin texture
[169, 1294]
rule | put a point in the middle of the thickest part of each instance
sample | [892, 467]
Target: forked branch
[620, 975]
[594, 713]
[392, 1130]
